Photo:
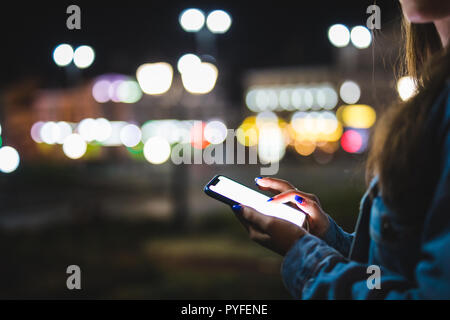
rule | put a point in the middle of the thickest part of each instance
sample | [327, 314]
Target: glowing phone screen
[251, 198]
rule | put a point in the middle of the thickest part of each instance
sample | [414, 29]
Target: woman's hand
[275, 234]
[307, 202]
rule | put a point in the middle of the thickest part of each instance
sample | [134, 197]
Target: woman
[404, 222]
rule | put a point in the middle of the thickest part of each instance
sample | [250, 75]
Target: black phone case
[215, 195]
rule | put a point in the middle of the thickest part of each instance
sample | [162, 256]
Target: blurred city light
[74, 147]
[350, 92]
[100, 90]
[155, 78]
[83, 56]
[130, 135]
[218, 21]
[129, 91]
[36, 131]
[63, 55]
[215, 132]
[188, 61]
[87, 128]
[103, 129]
[357, 116]
[114, 137]
[200, 79]
[65, 130]
[157, 150]
[266, 118]
[361, 37]
[0, 129]
[117, 88]
[339, 35]
[247, 133]
[406, 87]
[305, 147]
[327, 97]
[192, 20]
[316, 126]
[271, 146]
[9, 159]
[298, 97]
[49, 132]
[198, 140]
[351, 141]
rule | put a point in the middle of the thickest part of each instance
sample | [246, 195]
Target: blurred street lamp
[218, 21]
[361, 37]
[188, 61]
[74, 146]
[83, 57]
[339, 35]
[192, 20]
[155, 78]
[63, 55]
[200, 79]
[9, 159]
[406, 87]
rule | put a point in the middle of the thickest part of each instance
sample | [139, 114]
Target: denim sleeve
[338, 238]
[312, 269]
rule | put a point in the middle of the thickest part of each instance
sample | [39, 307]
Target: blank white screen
[251, 198]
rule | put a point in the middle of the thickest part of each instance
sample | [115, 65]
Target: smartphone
[231, 192]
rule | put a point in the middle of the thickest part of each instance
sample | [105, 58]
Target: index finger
[272, 184]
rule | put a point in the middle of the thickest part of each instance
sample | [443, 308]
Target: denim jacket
[414, 260]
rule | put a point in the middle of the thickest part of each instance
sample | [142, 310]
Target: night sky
[128, 33]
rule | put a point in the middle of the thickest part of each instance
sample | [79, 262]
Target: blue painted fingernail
[236, 208]
[256, 180]
[270, 200]
[298, 198]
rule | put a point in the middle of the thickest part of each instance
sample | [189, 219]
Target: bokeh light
[192, 20]
[361, 37]
[215, 132]
[351, 141]
[74, 146]
[198, 140]
[188, 61]
[155, 78]
[63, 54]
[130, 135]
[271, 145]
[9, 159]
[406, 87]
[350, 92]
[247, 133]
[200, 79]
[157, 150]
[83, 56]
[49, 132]
[35, 131]
[87, 128]
[128, 91]
[100, 90]
[65, 130]
[305, 147]
[357, 116]
[339, 35]
[218, 21]
[103, 129]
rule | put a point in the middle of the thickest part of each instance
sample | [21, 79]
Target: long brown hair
[403, 152]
